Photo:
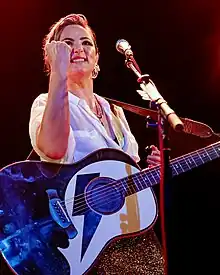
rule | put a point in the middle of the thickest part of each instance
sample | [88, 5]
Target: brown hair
[57, 28]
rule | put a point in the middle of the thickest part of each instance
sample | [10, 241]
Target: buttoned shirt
[87, 134]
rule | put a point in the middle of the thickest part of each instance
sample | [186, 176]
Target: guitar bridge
[59, 214]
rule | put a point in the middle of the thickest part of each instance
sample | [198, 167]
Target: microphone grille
[122, 45]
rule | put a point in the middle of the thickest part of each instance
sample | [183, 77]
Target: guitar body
[57, 219]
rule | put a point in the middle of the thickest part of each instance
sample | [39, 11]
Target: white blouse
[87, 134]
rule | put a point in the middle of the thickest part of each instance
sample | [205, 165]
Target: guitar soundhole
[104, 196]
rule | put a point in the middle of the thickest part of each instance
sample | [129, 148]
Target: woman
[71, 121]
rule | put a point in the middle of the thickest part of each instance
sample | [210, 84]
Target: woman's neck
[84, 90]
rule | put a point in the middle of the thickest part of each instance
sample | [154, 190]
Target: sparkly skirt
[135, 255]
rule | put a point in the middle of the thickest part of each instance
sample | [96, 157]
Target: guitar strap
[192, 127]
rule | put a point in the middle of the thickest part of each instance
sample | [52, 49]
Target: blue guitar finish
[32, 222]
[29, 236]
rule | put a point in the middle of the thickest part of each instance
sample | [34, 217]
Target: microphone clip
[128, 53]
[131, 63]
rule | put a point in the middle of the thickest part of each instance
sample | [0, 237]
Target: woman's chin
[78, 74]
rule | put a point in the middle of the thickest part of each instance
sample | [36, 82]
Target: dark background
[178, 43]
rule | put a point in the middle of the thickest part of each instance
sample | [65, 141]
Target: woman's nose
[78, 49]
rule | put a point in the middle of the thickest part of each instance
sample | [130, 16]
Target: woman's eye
[70, 43]
[86, 42]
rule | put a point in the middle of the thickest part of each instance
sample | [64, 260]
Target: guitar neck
[150, 177]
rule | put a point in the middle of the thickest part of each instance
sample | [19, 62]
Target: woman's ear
[97, 58]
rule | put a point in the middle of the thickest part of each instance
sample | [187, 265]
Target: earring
[95, 71]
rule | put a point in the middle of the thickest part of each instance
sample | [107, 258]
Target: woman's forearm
[52, 137]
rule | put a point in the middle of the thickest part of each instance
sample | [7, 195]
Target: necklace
[99, 110]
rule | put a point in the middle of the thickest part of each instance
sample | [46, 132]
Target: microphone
[123, 47]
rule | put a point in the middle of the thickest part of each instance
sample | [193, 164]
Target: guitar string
[135, 188]
[100, 189]
[77, 210]
[117, 182]
[106, 193]
[178, 159]
[99, 199]
[87, 209]
[145, 172]
[152, 171]
[102, 194]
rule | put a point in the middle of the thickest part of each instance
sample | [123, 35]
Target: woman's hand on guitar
[153, 158]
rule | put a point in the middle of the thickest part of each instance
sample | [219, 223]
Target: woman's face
[83, 55]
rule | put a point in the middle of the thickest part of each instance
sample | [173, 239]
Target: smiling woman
[68, 123]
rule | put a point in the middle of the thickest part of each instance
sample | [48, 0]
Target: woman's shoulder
[41, 98]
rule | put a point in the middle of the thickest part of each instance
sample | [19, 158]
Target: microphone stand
[166, 118]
